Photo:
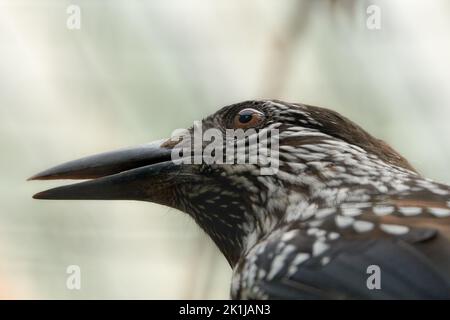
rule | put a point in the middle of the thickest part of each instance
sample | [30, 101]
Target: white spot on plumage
[323, 213]
[309, 212]
[315, 223]
[440, 191]
[381, 188]
[298, 260]
[362, 226]
[356, 204]
[325, 261]
[299, 208]
[440, 212]
[400, 187]
[333, 236]
[320, 233]
[319, 247]
[278, 105]
[312, 231]
[296, 128]
[410, 211]
[343, 221]
[394, 229]
[383, 210]
[351, 212]
[432, 186]
[278, 261]
[289, 235]
[308, 156]
[341, 195]
[261, 273]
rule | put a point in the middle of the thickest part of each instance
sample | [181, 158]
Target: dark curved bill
[108, 163]
[145, 172]
[146, 183]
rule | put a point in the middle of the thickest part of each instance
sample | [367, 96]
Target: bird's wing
[340, 254]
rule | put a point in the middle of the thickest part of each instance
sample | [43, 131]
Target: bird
[344, 216]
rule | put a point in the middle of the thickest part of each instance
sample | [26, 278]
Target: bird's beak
[141, 173]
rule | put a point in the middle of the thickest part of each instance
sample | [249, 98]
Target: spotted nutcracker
[340, 203]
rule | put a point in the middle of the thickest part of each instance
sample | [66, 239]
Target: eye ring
[248, 118]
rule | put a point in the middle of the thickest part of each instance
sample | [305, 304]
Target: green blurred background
[136, 70]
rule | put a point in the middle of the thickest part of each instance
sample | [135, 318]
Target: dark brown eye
[248, 118]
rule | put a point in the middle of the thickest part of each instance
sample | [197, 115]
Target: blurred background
[136, 70]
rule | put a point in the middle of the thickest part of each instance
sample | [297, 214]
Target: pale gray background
[139, 69]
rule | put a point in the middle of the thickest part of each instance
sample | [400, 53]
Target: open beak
[145, 172]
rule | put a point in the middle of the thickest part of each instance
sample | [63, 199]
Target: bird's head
[239, 172]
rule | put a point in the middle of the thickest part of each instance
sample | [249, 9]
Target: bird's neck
[223, 217]
[229, 238]
[310, 178]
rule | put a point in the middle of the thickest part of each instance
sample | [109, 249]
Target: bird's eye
[248, 118]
